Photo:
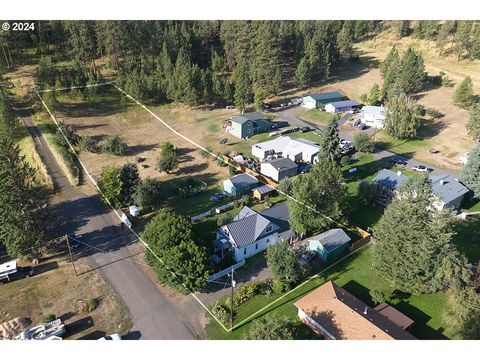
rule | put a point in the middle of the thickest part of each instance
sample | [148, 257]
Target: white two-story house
[251, 233]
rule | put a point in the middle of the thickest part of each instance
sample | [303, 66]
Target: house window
[268, 229]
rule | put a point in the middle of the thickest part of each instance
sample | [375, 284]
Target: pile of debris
[11, 328]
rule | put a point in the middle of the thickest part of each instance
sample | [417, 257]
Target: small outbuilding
[240, 184]
[330, 244]
[342, 106]
[261, 192]
[279, 169]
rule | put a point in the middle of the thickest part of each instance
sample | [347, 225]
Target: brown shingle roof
[394, 315]
[346, 317]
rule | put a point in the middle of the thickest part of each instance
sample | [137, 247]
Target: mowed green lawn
[317, 117]
[356, 275]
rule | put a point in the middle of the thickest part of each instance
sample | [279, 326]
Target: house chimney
[442, 182]
[365, 311]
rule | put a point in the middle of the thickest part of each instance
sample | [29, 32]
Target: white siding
[309, 103]
[330, 108]
[255, 248]
[373, 120]
[268, 170]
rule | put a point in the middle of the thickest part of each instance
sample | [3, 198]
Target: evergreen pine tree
[330, 142]
[463, 95]
[411, 242]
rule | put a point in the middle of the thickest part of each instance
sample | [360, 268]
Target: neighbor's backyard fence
[365, 238]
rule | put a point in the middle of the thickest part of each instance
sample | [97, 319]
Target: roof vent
[442, 182]
[365, 311]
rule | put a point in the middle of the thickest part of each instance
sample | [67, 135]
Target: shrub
[148, 194]
[246, 199]
[268, 202]
[92, 304]
[87, 143]
[433, 113]
[49, 318]
[244, 293]
[362, 142]
[344, 160]
[232, 170]
[115, 145]
[277, 287]
[222, 314]
[364, 98]
[206, 154]
[220, 160]
[224, 218]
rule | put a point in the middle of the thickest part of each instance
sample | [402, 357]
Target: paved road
[292, 116]
[81, 212]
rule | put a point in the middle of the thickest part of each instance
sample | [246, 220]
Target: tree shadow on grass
[192, 169]
[420, 328]
[45, 267]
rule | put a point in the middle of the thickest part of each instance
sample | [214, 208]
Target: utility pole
[71, 256]
[231, 302]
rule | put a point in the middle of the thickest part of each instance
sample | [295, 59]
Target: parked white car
[111, 337]
[421, 168]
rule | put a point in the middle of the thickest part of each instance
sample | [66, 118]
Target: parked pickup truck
[9, 271]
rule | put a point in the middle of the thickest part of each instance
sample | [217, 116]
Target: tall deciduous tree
[473, 125]
[110, 185]
[401, 121]
[470, 175]
[283, 262]
[130, 179]
[318, 198]
[170, 237]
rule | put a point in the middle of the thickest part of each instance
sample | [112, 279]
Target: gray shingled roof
[264, 189]
[331, 239]
[343, 103]
[279, 215]
[447, 188]
[248, 225]
[389, 179]
[243, 118]
[283, 164]
[246, 230]
[243, 180]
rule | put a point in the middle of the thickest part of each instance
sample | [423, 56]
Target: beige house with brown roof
[336, 314]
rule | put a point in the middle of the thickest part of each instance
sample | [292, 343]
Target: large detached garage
[342, 106]
[315, 101]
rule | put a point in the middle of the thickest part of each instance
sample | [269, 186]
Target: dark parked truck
[9, 271]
